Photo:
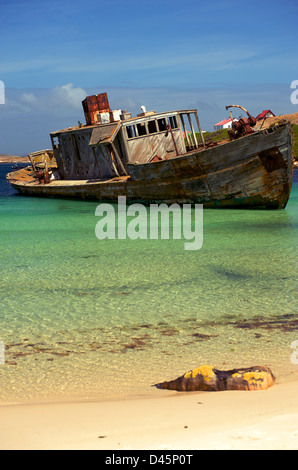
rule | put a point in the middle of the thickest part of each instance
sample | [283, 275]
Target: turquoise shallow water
[83, 318]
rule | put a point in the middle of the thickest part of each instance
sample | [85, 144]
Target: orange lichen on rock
[207, 378]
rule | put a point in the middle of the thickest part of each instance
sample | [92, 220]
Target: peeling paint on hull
[252, 171]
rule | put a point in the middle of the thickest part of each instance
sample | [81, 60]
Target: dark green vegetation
[209, 137]
[216, 136]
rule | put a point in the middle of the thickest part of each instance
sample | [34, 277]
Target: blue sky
[163, 54]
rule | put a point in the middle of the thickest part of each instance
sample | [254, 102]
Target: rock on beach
[207, 378]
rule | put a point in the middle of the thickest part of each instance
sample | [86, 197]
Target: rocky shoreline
[13, 159]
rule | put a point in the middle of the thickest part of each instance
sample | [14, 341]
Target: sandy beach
[230, 420]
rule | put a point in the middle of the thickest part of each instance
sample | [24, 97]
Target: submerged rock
[207, 378]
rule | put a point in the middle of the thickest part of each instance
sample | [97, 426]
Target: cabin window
[173, 122]
[162, 124]
[152, 128]
[131, 132]
[141, 129]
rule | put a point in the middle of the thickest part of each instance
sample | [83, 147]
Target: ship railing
[191, 135]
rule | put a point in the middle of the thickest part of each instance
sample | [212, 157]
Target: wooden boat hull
[252, 171]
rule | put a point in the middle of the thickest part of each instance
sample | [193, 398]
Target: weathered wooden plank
[210, 160]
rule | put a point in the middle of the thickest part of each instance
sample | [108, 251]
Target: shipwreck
[162, 158]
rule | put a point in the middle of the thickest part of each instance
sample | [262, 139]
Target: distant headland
[13, 159]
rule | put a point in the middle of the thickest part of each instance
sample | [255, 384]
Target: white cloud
[29, 99]
[67, 96]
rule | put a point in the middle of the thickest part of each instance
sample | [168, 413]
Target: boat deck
[26, 176]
